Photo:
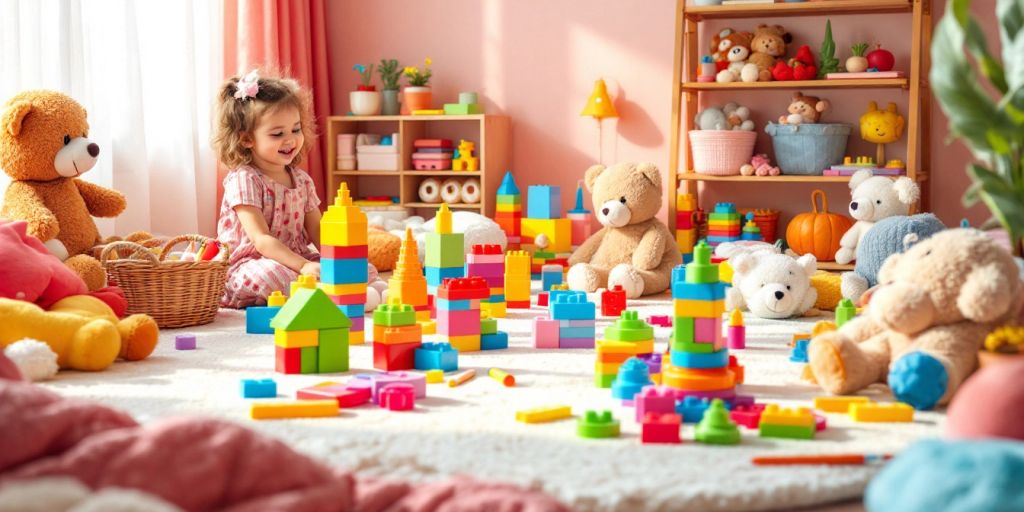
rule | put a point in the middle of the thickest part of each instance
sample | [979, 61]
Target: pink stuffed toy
[760, 165]
[30, 272]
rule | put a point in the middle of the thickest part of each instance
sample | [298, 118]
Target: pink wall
[536, 61]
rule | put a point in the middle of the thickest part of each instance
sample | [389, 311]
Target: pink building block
[660, 428]
[654, 399]
[458, 323]
[397, 397]
[376, 381]
[545, 333]
[820, 423]
[486, 269]
[747, 415]
[660, 320]
[707, 330]
[345, 396]
[418, 381]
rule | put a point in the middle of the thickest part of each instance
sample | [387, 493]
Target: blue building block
[695, 361]
[353, 310]
[496, 299]
[435, 275]
[554, 294]
[346, 271]
[436, 356]
[633, 376]
[698, 291]
[725, 208]
[543, 202]
[692, 409]
[687, 257]
[576, 332]
[799, 353]
[262, 388]
[714, 240]
[550, 278]
[508, 185]
[453, 305]
[257, 319]
[573, 307]
[496, 341]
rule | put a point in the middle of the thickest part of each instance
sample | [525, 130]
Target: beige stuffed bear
[633, 249]
[926, 322]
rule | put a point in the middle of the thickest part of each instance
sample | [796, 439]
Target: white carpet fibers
[471, 429]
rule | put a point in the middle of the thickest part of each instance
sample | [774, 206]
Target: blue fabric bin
[808, 149]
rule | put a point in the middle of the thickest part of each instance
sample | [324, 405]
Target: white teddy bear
[772, 285]
[732, 116]
[874, 198]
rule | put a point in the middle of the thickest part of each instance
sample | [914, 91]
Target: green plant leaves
[1005, 201]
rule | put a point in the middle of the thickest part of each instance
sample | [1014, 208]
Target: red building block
[346, 397]
[464, 288]
[340, 253]
[737, 369]
[747, 415]
[542, 299]
[486, 249]
[613, 301]
[395, 357]
[287, 360]
[660, 320]
[660, 428]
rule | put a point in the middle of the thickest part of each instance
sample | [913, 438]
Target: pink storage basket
[721, 152]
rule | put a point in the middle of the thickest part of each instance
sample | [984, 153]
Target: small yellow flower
[428, 61]
[409, 70]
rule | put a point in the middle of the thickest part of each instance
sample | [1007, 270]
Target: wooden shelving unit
[489, 133]
[686, 90]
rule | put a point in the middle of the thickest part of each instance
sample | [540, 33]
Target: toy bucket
[721, 152]
[808, 149]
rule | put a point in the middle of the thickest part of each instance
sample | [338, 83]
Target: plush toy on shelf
[800, 67]
[737, 68]
[873, 199]
[720, 45]
[767, 46]
[760, 165]
[804, 109]
[732, 116]
[881, 127]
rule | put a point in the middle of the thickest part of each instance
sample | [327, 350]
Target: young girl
[270, 213]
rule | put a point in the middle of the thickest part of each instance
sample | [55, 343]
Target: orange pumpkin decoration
[817, 232]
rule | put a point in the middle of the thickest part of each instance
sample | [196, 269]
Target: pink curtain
[288, 35]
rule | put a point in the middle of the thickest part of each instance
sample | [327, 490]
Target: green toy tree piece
[629, 327]
[827, 56]
[716, 427]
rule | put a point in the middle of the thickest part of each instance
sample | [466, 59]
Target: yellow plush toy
[82, 330]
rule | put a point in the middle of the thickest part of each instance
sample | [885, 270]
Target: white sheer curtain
[147, 72]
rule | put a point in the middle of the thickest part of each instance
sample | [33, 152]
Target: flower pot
[364, 103]
[391, 106]
[416, 98]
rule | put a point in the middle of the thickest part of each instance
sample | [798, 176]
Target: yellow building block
[838, 403]
[468, 343]
[558, 232]
[517, 290]
[293, 409]
[607, 368]
[624, 347]
[296, 339]
[686, 239]
[302, 282]
[686, 202]
[798, 417]
[510, 208]
[429, 326]
[435, 376]
[872, 412]
[699, 308]
[344, 289]
[725, 224]
[343, 224]
[544, 414]
[356, 337]
[494, 309]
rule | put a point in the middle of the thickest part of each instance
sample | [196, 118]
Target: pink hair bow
[248, 86]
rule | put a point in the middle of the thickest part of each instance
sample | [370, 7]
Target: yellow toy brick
[510, 208]
[293, 409]
[443, 220]
[302, 282]
[356, 337]
[344, 289]
[686, 202]
[838, 403]
[343, 224]
[625, 347]
[544, 414]
[699, 308]
[435, 376]
[276, 299]
[429, 326]
[467, 343]
[798, 417]
[607, 368]
[557, 231]
[686, 239]
[878, 413]
[296, 339]
[494, 309]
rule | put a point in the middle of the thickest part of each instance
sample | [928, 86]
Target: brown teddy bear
[633, 249]
[926, 322]
[44, 148]
[767, 46]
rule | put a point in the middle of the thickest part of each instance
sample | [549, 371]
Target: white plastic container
[373, 156]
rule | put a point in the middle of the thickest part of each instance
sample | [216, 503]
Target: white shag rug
[471, 429]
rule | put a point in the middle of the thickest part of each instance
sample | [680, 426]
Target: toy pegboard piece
[597, 425]
[185, 342]
[660, 428]
[629, 327]
[652, 399]
[613, 301]
[737, 334]
[632, 378]
[872, 412]
[261, 388]
[716, 427]
[544, 414]
[543, 202]
[845, 312]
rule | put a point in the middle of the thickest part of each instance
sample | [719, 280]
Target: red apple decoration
[880, 59]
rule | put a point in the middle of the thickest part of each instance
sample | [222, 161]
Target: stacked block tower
[547, 234]
[628, 337]
[700, 362]
[724, 224]
[751, 231]
[488, 262]
[517, 280]
[508, 210]
[457, 304]
[343, 260]
[311, 335]
[686, 229]
[396, 336]
[445, 256]
[572, 322]
[408, 285]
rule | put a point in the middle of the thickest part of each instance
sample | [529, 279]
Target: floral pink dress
[251, 277]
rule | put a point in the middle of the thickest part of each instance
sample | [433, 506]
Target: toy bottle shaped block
[580, 219]
[488, 262]
[445, 251]
[458, 312]
[686, 229]
[508, 209]
[311, 335]
[343, 260]
[407, 284]
[699, 358]
[517, 280]
[628, 337]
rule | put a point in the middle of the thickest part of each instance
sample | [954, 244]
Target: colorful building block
[343, 224]
[394, 357]
[397, 397]
[573, 306]
[889, 413]
[440, 356]
[434, 376]
[287, 360]
[543, 202]
[660, 320]
[660, 428]
[293, 409]
[613, 301]
[517, 279]
[545, 333]
[629, 327]
[308, 316]
[736, 336]
[796, 423]
[261, 388]
[557, 234]
[257, 318]
[544, 414]
[845, 312]
[799, 352]
[185, 342]
[494, 341]
[838, 403]
[632, 377]
[597, 425]
[652, 399]
[550, 275]
[344, 395]
[747, 415]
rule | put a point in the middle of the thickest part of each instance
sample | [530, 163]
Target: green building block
[845, 312]
[701, 270]
[508, 199]
[543, 255]
[394, 315]
[787, 431]
[596, 425]
[462, 109]
[488, 326]
[716, 427]
[629, 327]
[603, 381]
[445, 250]
[332, 353]
[682, 329]
[309, 360]
[310, 309]
[692, 347]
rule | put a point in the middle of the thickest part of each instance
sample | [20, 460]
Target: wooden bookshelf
[489, 132]
[813, 8]
[799, 85]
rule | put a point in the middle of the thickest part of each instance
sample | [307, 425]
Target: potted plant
[417, 95]
[857, 63]
[390, 73]
[365, 101]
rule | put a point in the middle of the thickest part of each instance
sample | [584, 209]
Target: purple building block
[185, 342]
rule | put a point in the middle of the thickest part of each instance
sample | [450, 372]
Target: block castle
[723, 224]
[488, 262]
[343, 260]
[543, 230]
[686, 228]
[311, 335]
[508, 210]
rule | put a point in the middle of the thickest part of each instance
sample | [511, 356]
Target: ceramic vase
[391, 107]
[364, 103]
[416, 98]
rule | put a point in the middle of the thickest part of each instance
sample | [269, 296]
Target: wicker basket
[174, 293]
[721, 152]
[808, 149]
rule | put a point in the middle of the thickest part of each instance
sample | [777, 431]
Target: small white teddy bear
[772, 285]
[874, 198]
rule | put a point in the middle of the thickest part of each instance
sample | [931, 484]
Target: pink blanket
[203, 464]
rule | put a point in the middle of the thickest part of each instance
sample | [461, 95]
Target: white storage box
[373, 156]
